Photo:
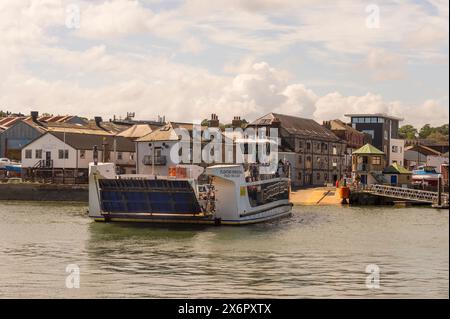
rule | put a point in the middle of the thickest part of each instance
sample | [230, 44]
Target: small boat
[425, 176]
[231, 196]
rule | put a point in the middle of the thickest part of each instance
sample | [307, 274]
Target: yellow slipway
[316, 196]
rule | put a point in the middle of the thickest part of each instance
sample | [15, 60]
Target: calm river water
[318, 252]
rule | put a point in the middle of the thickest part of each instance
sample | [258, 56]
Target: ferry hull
[277, 212]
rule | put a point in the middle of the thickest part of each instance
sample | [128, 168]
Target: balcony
[158, 160]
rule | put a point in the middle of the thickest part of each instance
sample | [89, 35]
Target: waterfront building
[368, 163]
[68, 154]
[153, 150]
[384, 132]
[353, 138]
[18, 134]
[438, 146]
[397, 175]
[320, 154]
[26, 129]
[420, 155]
[138, 130]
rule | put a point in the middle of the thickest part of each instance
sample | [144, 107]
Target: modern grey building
[381, 127]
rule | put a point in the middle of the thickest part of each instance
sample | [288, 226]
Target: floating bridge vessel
[232, 196]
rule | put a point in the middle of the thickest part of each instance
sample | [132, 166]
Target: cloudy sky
[187, 59]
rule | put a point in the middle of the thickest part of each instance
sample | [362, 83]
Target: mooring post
[439, 190]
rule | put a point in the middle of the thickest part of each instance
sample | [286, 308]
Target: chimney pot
[236, 123]
[98, 120]
[34, 115]
[214, 121]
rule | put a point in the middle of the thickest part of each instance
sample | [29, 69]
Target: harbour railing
[407, 193]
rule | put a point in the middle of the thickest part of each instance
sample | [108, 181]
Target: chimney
[327, 124]
[34, 116]
[98, 121]
[214, 121]
[237, 122]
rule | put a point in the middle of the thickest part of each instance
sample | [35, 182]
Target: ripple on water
[317, 252]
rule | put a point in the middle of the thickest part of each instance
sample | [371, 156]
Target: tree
[438, 137]
[443, 129]
[425, 131]
[407, 132]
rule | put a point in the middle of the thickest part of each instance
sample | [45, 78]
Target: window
[367, 120]
[334, 150]
[358, 120]
[376, 160]
[63, 154]
[300, 159]
[394, 148]
[131, 156]
[38, 154]
[82, 154]
[28, 154]
[119, 156]
[373, 120]
[308, 146]
[299, 176]
[380, 120]
[318, 176]
[370, 132]
[308, 162]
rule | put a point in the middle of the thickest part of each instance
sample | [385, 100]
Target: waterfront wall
[44, 192]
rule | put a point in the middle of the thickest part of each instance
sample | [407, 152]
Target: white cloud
[385, 65]
[40, 73]
[114, 18]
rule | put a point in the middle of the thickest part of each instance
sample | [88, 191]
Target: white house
[397, 152]
[74, 151]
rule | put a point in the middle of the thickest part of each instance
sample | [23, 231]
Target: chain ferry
[231, 195]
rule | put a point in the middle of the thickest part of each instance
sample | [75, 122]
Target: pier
[434, 198]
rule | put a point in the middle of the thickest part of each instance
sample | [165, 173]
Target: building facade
[368, 163]
[320, 154]
[353, 138]
[16, 136]
[382, 128]
[56, 151]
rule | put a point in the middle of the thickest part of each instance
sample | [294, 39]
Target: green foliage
[407, 132]
[439, 133]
